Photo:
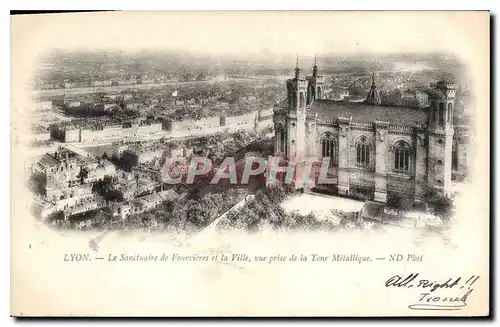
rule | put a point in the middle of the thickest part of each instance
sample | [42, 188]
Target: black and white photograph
[218, 148]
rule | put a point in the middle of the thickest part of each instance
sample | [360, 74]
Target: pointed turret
[297, 69]
[373, 97]
[315, 68]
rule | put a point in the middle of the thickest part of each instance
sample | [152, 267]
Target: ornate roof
[373, 97]
[48, 161]
[364, 112]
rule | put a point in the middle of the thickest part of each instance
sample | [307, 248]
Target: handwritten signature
[430, 300]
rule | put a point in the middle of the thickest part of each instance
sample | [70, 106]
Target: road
[211, 230]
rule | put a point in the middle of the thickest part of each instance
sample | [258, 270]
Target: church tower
[440, 136]
[316, 85]
[296, 116]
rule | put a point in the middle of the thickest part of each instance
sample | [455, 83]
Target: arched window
[441, 113]
[291, 102]
[363, 151]
[450, 109]
[402, 156]
[310, 94]
[454, 156]
[278, 133]
[318, 94]
[329, 148]
[283, 141]
[280, 139]
[301, 100]
[434, 112]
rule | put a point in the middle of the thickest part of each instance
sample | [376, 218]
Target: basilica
[375, 151]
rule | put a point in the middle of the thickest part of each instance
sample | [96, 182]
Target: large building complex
[376, 151]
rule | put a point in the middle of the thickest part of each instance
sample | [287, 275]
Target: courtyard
[321, 205]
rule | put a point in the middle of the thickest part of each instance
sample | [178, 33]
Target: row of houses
[136, 206]
[143, 203]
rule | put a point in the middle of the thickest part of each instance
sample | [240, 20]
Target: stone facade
[67, 174]
[98, 132]
[375, 151]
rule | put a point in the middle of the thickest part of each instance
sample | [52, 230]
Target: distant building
[75, 104]
[143, 203]
[392, 98]
[143, 154]
[340, 93]
[127, 82]
[109, 106]
[133, 105]
[112, 96]
[40, 133]
[415, 98]
[68, 179]
[102, 83]
[42, 105]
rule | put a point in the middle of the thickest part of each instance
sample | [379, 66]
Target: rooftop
[48, 161]
[361, 112]
[168, 195]
[146, 148]
[64, 154]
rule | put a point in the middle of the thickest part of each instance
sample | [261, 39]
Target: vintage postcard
[250, 164]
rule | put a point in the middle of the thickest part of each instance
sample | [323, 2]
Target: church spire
[315, 67]
[297, 69]
[373, 97]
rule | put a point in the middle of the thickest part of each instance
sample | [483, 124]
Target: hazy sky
[276, 33]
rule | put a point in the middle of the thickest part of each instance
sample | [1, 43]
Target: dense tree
[441, 206]
[37, 183]
[395, 202]
[55, 218]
